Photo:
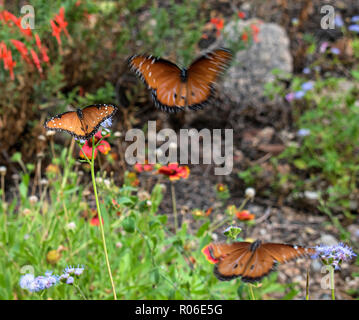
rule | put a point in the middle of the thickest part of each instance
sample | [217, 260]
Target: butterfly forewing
[68, 122]
[285, 252]
[210, 66]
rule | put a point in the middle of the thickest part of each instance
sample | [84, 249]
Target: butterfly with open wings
[250, 261]
[174, 88]
[83, 123]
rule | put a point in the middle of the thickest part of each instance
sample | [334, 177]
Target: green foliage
[148, 260]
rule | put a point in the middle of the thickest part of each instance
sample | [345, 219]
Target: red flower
[8, 16]
[60, 19]
[21, 47]
[245, 36]
[9, 64]
[42, 49]
[95, 221]
[244, 215]
[104, 147]
[56, 31]
[36, 60]
[87, 150]
[241, 14]
[143, 167]
[255, 31]
[207, 252]
[59, 26]
[174, 171]
[218, 23]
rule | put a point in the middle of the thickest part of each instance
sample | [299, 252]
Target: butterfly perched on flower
[250, 260]
[175, 88]
[83, 123]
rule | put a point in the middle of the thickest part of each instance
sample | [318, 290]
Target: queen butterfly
[173, 88]
[250, 261]
[82, 123]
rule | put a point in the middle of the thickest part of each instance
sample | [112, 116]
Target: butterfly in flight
[250, 261]
[174, 88]
[83, 123]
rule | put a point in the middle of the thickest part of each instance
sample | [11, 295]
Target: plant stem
[307, 286]
[80, 291]
[174, 205]
[251, 293]
[215, 227]
[331, 272]
[92, 164]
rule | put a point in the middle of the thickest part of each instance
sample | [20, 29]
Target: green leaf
[300, 164]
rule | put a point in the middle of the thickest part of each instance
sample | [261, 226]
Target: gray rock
[328, 240]
[252, 67]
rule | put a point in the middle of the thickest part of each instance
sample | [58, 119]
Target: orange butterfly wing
[163, 78]
[203, 73]
[285, 252]
[172, 88]
[239, 259]
[68, 122]
[232, 259]
[93, 117]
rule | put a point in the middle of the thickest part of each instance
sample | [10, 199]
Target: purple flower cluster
[306, 86]
[32, 284]
[354, 27]
[69, 273]
[334, 255]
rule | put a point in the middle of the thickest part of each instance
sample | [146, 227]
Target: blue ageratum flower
[299, 94]
[107, 123]
[306, 86]
[306, 70]
[338, 21]
[335, 51]
[334, 255]
[355, 19]
[32, 284]
[69, 272]
[70, 280]
[354, 28]
[78, 271]
[303, 132]
[26, 280]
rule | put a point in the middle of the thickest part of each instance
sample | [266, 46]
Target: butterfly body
[175, 88]
[82, 123]
[251, 261]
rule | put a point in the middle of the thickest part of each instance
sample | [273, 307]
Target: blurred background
[291, 95]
